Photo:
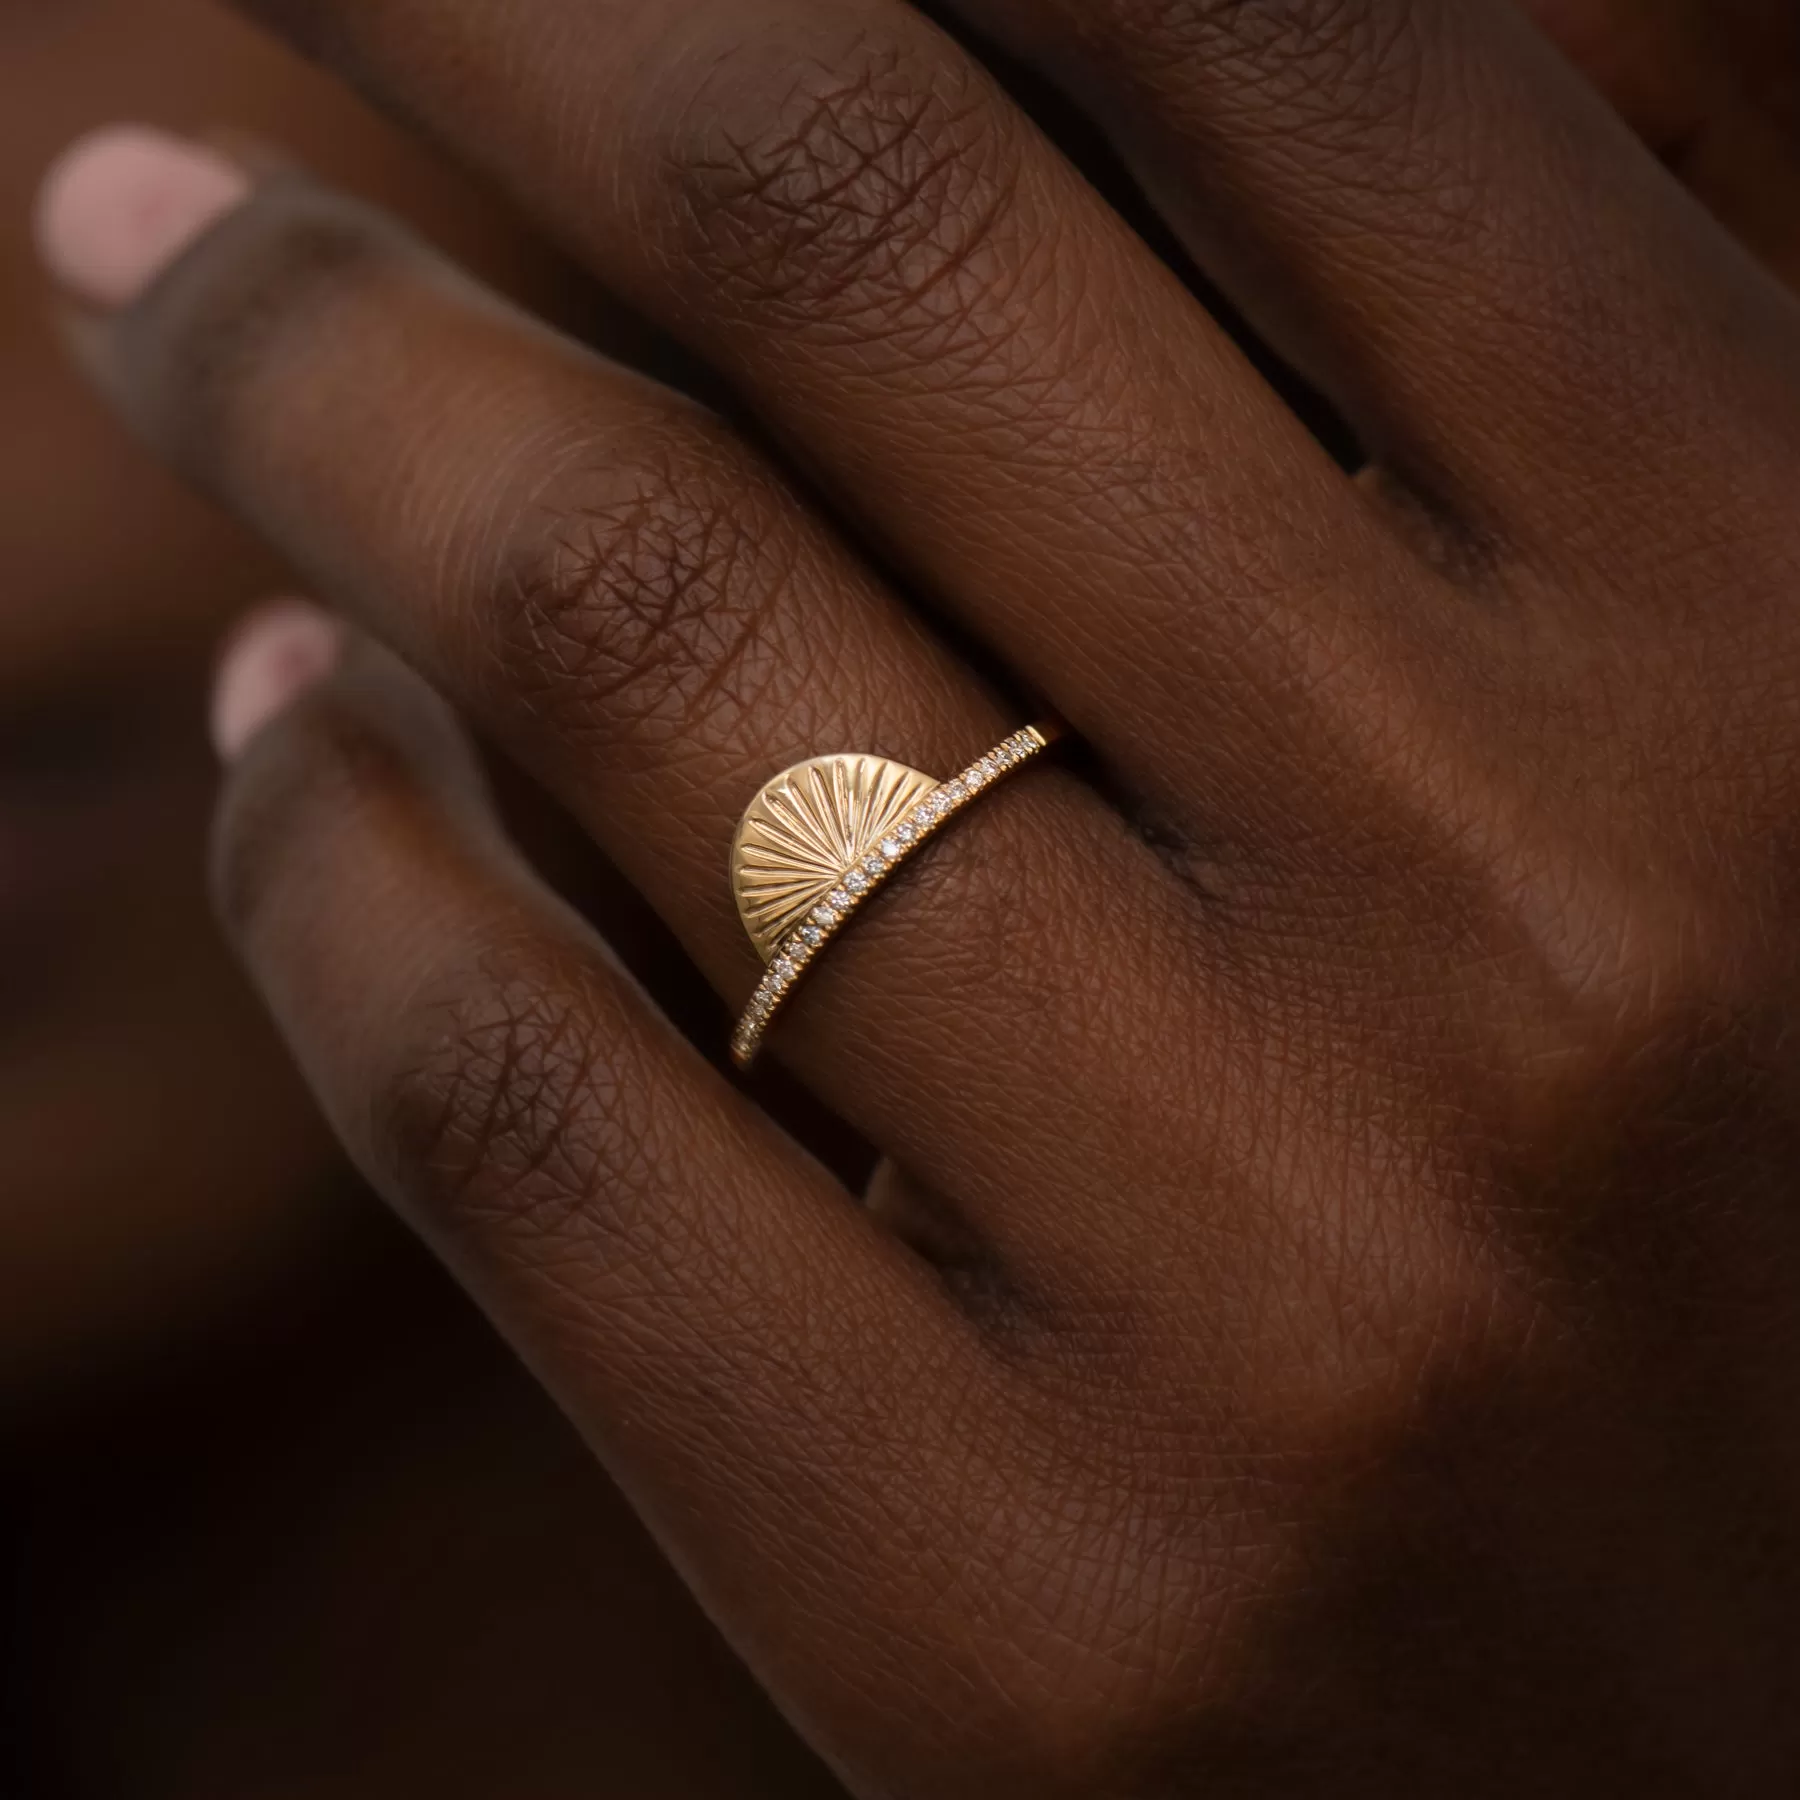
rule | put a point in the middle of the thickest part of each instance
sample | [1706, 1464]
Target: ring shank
[807, 941]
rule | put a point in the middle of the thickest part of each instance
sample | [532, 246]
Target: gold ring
[823, 838]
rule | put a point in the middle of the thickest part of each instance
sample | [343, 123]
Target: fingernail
[268, 663]
[120, 205]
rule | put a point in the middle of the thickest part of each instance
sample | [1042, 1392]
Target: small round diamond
[806, 939]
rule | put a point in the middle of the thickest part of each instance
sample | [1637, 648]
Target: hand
[1337, 1329]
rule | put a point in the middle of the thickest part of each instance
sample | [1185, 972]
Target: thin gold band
[807, 941]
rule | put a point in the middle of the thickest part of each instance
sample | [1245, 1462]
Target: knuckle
[1643, 983]
[647, 600]
[503, 1103]
[869, 181]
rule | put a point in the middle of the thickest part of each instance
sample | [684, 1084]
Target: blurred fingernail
[120, 205]
[269, 662]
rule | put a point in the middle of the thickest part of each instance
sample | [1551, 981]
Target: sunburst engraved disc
[807, 829]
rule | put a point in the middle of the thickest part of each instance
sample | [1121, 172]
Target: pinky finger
[765, 1372]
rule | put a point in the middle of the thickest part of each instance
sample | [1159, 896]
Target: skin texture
[1361, 1104]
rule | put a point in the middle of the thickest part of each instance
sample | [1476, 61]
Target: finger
[1430, 214]
[838, 207]
[631, 604]
[775, 1384]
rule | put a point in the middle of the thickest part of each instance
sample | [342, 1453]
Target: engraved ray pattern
[807, 829]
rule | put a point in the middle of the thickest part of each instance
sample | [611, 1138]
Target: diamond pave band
[821, 840]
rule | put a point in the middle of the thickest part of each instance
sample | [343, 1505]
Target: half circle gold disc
[807, 829]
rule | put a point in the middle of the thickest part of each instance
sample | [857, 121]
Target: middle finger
[836, 205]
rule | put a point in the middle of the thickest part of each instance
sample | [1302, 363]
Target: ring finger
[640, 611]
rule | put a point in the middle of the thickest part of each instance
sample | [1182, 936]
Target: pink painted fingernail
[120, 205]
[269, 662]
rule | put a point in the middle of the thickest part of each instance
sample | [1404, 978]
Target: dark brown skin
[1368, 1121]
[1714, 88]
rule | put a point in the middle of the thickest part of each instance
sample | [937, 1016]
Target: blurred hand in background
[399, 1576]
